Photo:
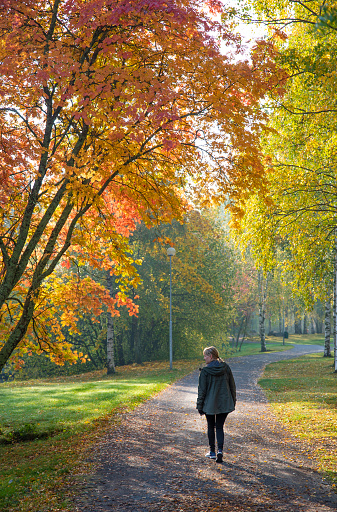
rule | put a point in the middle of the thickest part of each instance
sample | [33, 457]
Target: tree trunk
[110, 335]
[335, 310]
[239, 332]
[138, 335]
[286, 314]
[120, 351]
[283, 320]
[19, 331]
[262, 287]
[110, 349]
[327, 326]
[244, 332]
[134, 340]
[297, 326]
[319, 326]
[313, 327]
[305, 325]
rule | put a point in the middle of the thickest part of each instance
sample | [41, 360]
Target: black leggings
[216, 421]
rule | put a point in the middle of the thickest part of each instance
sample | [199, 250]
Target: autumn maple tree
[106, 110]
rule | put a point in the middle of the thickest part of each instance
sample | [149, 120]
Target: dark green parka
[216, 390]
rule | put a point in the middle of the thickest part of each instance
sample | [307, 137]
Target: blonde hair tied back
[212, 351]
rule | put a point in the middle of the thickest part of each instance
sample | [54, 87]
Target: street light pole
[283, 320]
[170, 252]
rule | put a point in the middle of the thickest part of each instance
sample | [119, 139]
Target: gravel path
[154, 460]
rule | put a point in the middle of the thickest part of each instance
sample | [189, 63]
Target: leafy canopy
[106, 110]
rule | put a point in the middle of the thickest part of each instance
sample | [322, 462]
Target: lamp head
[171, 251]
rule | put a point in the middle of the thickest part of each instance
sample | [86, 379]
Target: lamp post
[283, 343]
[171, 252]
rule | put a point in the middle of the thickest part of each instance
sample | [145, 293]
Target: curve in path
[154, 460]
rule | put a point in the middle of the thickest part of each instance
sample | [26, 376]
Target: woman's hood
[215, 369]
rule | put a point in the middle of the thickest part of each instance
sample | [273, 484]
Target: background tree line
[215, 301]
[203, 276]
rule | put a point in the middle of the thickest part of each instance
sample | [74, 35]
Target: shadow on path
[154, 461]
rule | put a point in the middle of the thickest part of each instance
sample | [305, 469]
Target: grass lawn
[64, 416]
[306, 339]
[303, 395]
[275, 344]
[254, 347]
[49, 425]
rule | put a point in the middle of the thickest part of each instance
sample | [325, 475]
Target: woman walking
[216, 398]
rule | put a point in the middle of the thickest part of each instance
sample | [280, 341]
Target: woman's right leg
[219, 424]
[211, 431]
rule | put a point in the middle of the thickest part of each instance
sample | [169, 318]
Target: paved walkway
[154, 461]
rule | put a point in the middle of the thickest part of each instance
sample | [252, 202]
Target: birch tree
[262, 292]
[327, 328]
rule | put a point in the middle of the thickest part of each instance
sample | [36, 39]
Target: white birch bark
[110, 352]
[262, 289]
[334, 310]
[327, 328]
[110, 335]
